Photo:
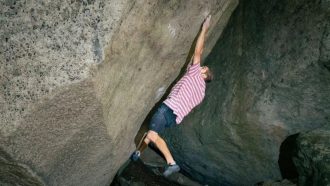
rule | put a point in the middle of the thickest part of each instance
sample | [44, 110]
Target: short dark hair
[209, 76]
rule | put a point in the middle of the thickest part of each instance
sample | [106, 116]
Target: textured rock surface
[77, 78]
[12, 173]
[312, 158]
[272, 81]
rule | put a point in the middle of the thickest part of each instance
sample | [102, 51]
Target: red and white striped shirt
[187, 93]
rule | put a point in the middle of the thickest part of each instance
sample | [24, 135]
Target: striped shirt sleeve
[194, 69]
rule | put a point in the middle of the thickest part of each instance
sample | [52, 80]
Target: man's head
[207, 74]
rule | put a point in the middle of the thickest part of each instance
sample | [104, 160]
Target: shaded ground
[136, 173]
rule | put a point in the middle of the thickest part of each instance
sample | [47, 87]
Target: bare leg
[161, 145]
[143, 144]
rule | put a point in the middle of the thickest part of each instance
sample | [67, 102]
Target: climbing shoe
[136, 155]
[170, 169]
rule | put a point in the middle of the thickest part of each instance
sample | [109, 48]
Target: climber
[188, 92]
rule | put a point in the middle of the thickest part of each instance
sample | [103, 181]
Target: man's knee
[152, 136]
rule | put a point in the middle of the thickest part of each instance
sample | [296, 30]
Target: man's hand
[206, 23]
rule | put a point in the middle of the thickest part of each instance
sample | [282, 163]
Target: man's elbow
[197, 59]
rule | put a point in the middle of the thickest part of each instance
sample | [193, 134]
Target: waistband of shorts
[167, 107]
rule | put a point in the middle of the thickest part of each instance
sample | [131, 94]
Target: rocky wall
[272, 80]
[78, 77]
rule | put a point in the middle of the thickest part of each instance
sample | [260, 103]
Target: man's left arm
[200, 41]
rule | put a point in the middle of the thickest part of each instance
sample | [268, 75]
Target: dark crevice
[287, 167]
[326, 66]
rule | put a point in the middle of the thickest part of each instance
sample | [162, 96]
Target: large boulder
[77, 78]
[272, 80]
[312, 158]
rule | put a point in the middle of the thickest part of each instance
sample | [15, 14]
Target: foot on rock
[136, 155]
[170, 169]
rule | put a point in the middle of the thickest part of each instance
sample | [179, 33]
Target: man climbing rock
[188, 92]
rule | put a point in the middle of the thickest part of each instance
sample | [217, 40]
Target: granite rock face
[77, 78]
[272, 80]
[312, 158]
[12, 173]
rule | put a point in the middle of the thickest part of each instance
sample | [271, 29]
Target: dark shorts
[163, 117]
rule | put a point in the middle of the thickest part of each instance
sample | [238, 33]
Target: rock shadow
[285, 162]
